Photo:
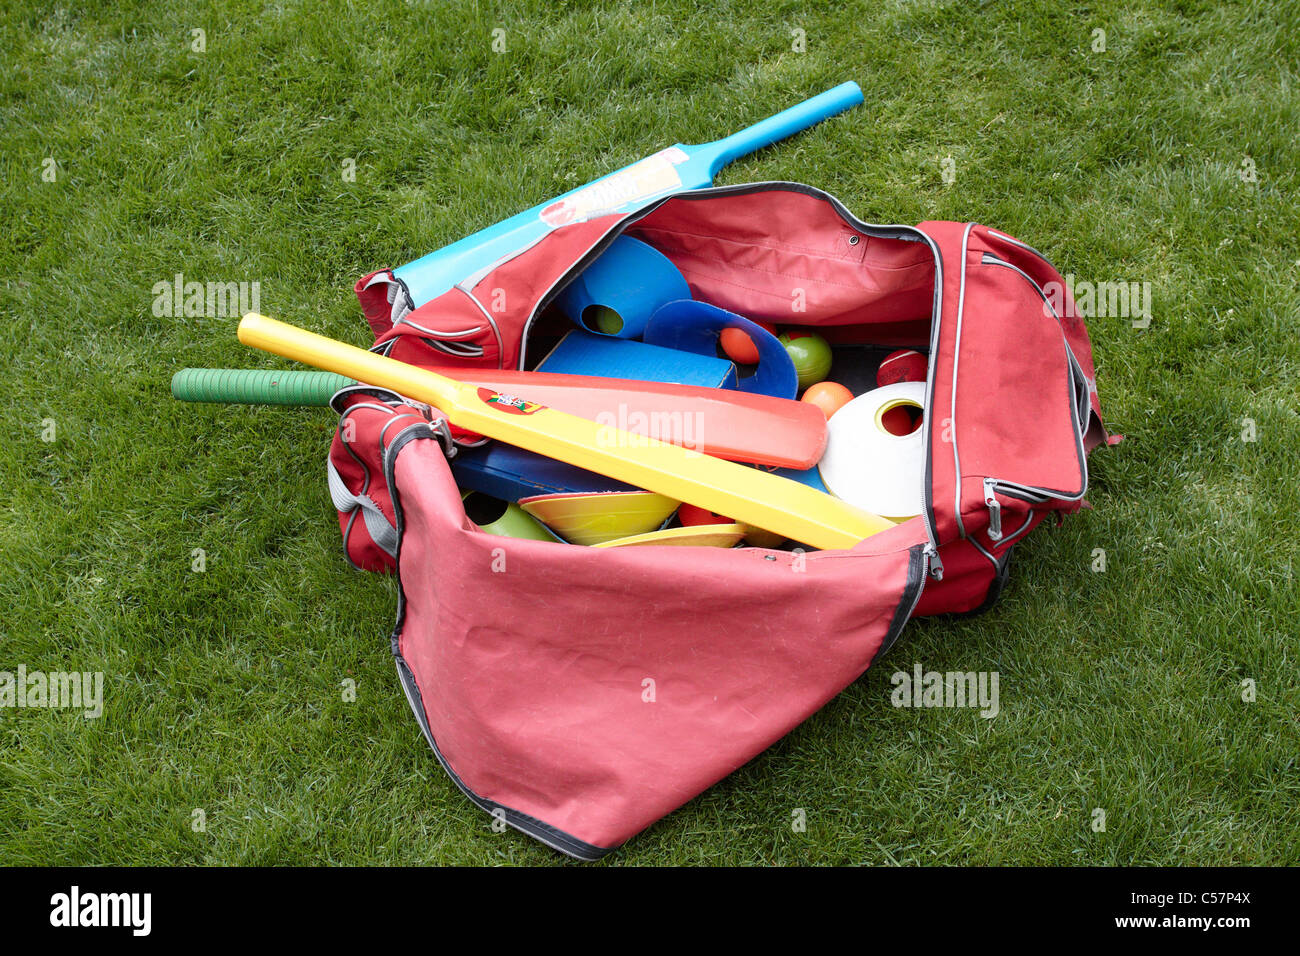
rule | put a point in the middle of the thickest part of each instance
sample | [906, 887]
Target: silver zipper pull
[995, 510]
[935, 563]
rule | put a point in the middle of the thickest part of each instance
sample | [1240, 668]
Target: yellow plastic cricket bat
[747, 495]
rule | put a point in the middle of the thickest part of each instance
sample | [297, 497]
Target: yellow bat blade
[753, 497]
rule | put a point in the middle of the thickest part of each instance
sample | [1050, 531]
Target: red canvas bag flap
[450, 330]
[374, 292]
[1011, 400]
[482, 322]
[794, 256]
[1061, 302]
[586, 692]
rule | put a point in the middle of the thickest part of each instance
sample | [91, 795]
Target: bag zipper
[935, 566]
[995, 509]
[991, 489]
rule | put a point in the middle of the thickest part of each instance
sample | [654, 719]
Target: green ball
[811, 356]
[607, 320]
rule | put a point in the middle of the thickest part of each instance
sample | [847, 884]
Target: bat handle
[786, 123]
[309, 348]
[256, 386]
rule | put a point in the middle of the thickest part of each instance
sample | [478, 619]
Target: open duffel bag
[582, 693]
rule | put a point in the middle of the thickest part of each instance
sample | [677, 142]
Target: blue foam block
[509, 473]
[584, 353]
[629, 278]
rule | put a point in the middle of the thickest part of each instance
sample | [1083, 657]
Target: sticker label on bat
[650, 177]
[508, 403]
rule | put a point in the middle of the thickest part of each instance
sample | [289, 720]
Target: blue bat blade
[676, 169]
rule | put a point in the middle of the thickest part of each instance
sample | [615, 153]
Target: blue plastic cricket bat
[676, 169]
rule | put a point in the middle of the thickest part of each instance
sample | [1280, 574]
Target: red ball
[739, 347]
[905, 365]
[901, 419]
[693, 515]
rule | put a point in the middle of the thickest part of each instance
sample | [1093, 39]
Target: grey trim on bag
[383, 394]
[1024, 526]
[396, 287]
[917, 569]
[982, 550]
[440, 335]
[1023, 245]
[492, 323]
[1001, 576]
[365, 485]
[956, 360]
[383, 534]
[377, 525]
[458, 349]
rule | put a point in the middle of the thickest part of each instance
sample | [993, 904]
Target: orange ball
[830, 397]
[738, 346]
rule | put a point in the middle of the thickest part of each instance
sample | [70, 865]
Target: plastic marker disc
[865, 463]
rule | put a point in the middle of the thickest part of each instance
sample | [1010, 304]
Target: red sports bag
[582, 693]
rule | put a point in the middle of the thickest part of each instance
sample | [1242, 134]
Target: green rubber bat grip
[257, 386]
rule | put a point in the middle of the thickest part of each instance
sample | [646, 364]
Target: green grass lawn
[1170, 157]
